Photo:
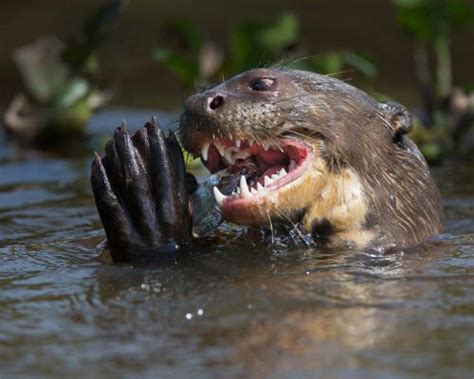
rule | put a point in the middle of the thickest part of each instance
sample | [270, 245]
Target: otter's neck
[337, 215]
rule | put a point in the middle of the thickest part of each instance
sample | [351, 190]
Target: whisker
[271, 226]
[340, 72]
[223, 81]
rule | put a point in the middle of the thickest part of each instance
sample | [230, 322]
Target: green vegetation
[60, 82]
[62, 86]
[447, 118]
[197, 62]
[447, 115]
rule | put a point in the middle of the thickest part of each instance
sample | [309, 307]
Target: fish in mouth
[254, 172]
[301, 148]
[288, 147]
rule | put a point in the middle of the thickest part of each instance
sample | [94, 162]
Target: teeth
[244, 188]
[220, 197]
[228, 156]
[220, 149]
[205, 151]
[232, 153]
[267, 181]
[241, 155]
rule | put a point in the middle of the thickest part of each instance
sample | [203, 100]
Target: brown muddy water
[234, 310]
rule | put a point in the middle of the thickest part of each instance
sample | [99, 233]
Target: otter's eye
[262, 84]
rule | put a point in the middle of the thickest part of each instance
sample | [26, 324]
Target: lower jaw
[281, 204]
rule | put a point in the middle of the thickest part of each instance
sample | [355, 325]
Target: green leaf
[75, 90]
[329, 63]
[254, 44]
[433, 19]
[333, 62]
[361, 64]
[431, 151]
[185, 68]
[281, 34]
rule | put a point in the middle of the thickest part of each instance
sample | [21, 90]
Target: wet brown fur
[370, 182]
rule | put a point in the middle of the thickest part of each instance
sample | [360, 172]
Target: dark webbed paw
[141, 194]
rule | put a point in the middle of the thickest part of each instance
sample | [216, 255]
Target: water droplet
[189, 316]
[200, 312]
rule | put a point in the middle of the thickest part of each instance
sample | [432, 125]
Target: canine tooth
[259, 186]
[205, 151]
[241, 155]
[238, 142]
[282, 173]
[220, 149]
[292, 165]
[244, 188]
[220, 197]
[265, 146]
[267, 181]
[253, 191]
[251, 142]
[228, 156]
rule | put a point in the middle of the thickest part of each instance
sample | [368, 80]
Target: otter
[291, 148]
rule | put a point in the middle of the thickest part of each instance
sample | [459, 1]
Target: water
[233, 310]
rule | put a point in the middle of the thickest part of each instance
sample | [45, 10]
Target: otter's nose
[215, 102]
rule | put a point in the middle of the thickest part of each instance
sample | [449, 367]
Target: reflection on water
[238, 307]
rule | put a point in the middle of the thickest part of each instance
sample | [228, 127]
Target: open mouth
[251, 170]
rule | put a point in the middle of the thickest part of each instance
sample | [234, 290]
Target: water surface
[234, 310]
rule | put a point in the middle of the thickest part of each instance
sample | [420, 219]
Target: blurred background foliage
[446, 119]
[197, 62]
[199, 46]
[61, 86]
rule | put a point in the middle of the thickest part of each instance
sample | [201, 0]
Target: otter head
[302, 147]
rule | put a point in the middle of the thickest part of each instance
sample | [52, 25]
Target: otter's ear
[399, 120]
